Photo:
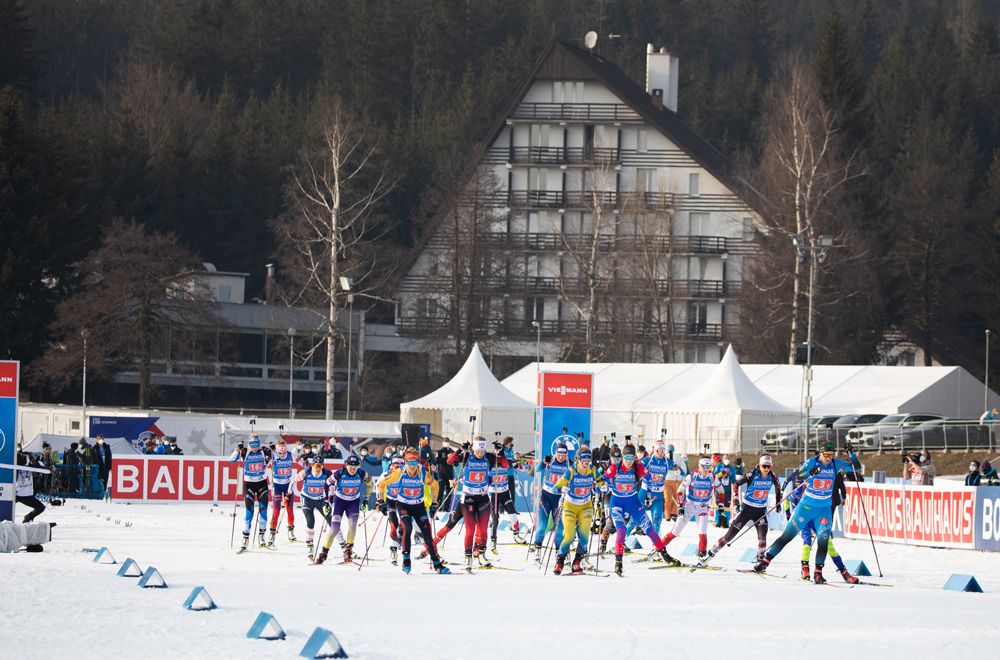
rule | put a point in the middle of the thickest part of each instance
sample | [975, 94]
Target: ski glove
[382, 508]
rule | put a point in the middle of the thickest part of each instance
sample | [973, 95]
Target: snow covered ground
[59, 603]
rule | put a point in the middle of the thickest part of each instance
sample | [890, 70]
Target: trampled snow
[60, 604]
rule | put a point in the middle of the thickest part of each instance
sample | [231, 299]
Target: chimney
[269, 285]
[662, 74]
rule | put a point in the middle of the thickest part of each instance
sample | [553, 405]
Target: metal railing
[563, 155]
[552, 242]
[583, 112]
[520, 328]
[580, 200]
[529, 285]
[951, 435]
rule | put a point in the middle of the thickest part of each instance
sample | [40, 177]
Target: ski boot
[246, 542]
[291, 534]
[708, 556]
[480, 554]
[560, 562]
[493, 546]
[309, 548]
[618, 565]
[270, 539]
[468, 562]
[670, 561]
[348, 553]
[517, 534]
[761, 565]
[441, 568]
[818, 576]
[393, 558]
[537, 551]
[601, 549]
[805, 571]
[423, 553]
[260, 539]
[321, 557]
[406, 562]
[848, 578]
[577, 567]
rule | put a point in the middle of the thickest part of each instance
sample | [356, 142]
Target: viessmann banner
[565, 401]
[939, 516]
[179, 478]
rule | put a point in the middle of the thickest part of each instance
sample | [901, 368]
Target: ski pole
[374, 534]
[865, 511]
[555, 526]
[766, 513]
[364, 529]
[232, 535]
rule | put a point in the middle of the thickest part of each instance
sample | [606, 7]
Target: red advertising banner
[567, 390]
[8, 379]
[918, 515]
[178, 478]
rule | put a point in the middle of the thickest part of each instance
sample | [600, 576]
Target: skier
[724, 473]
[657, 467]
[809, 531]
[815, 506]
[624, 480]
[414, 485]
[315, 493]
[281, 480]
[609, 524]
[693, 498]
[256, 460]
[351, 487]
[759, 483]
[553, 468]
[387, 505]
[476, 468]
[503, 498]
[579, 483]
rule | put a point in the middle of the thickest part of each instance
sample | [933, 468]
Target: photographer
[919, 469]
[24, 491]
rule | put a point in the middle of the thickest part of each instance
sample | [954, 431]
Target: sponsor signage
[564, 401]
[917, 515]
[9, 375]
[179, 478]
[988, 518]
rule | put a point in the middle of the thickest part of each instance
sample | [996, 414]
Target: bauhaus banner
[938, 516]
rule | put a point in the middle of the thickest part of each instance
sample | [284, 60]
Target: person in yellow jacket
[578, 486]
[416, 488]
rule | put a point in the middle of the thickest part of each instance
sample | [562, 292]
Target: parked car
[787, 437]
[844, 424]
[888, 432]
[945, 434]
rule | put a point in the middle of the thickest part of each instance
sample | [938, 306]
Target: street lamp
[291, 370]
[84, 334]
[345, 284]
[986, 374]
[810, 250]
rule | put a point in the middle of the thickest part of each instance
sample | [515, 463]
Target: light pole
[345, 284]
[291, 370]
[810, 250]
[84, 334]
[538, 413]
[986, 374]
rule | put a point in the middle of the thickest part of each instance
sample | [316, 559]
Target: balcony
[590, 113]
[619, 286]
[552, 242]
[559, 156]
[522, 329]
[581, 200]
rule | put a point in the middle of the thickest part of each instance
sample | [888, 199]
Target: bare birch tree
[330, 222]
[802, 172]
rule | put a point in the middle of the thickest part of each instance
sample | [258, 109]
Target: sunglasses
[411, 463]
[765, 466]
[828, 454]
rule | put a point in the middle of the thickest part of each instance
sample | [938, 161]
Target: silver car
[889, 430]
[788, 437]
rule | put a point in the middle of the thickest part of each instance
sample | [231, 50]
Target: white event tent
[640, 399]
[716, 412]
[474, 391]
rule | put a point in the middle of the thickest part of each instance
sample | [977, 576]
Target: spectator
[330, 450]
[71, 461]
[25, 490]
[307, 454]
[973, 477]
[920, 469]
[446, 473]
[988, 475]
[602, 454]
[387, 455]
[102, 455]
[173, 449]
[991, 416]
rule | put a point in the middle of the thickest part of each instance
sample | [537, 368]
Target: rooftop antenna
[590, 40]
